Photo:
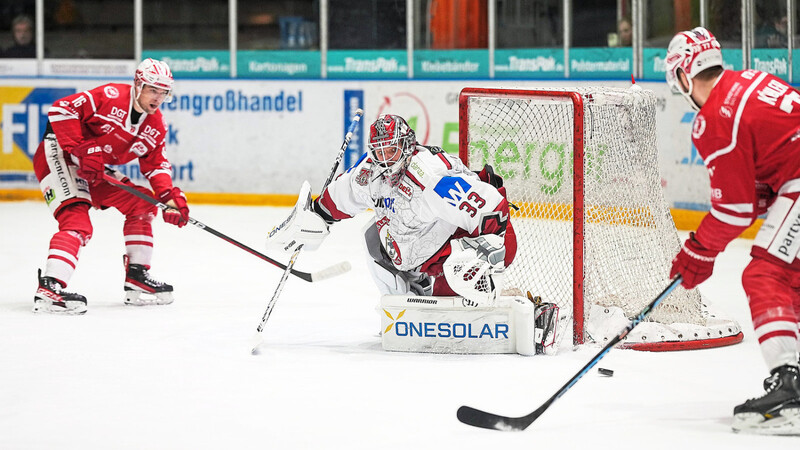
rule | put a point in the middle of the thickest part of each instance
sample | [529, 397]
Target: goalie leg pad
[445, 325]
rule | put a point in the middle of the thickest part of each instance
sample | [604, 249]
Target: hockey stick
[332, 271]
[482, 419]
[257, 337]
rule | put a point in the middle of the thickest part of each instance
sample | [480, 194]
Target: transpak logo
[393, 319]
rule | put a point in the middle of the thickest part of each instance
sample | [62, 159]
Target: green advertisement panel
[795, 66]
[194, 63]
[451, 64]
[529, 63]
[732, 59]
[772, 60]
[601, 62]
[654, 66]
[278, 64]
[367, 64]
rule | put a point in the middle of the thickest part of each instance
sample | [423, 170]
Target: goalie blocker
[445, 325]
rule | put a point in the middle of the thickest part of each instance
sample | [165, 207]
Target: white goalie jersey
[437, 199]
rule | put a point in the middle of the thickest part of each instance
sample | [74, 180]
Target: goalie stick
[483, 419]
[257, 337]
[332, 271]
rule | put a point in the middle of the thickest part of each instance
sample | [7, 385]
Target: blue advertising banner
[439, 64]
[601, 62]
[194, 63]
[732, 58]
[353, 100]
[372, 64]
[772, 60]
[529, 63]
[23, 119]
[278, 64]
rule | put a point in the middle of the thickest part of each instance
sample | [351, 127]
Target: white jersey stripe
[779, 325]
[731, 220]
[91, 100]
[61, 253]
[735, 132]
[156, 172]
[736, 207]
[138, 237]
[59, 118]
[61, 111]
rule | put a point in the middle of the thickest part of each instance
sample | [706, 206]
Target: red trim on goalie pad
[684, 345]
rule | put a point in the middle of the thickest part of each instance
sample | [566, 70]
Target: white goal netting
[629, 237]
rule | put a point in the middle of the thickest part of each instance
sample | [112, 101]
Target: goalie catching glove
[474, 269]
[303, 226]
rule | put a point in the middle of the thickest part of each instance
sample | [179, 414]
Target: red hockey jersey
[748, 133]
[103, 115]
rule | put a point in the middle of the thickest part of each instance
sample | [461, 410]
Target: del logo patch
[699, 126]
[111, 92]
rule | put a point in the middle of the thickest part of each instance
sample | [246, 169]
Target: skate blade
[138, 298]
[787, 424]
[49, 308]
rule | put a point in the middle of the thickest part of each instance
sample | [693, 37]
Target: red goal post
[594, 231]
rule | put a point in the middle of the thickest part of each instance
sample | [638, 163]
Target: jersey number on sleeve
[475, 198]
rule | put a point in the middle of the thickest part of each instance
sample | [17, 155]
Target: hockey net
[594, 232]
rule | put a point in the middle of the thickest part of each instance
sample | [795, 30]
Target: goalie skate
[141, 289]
[775, 413]
[51, 298]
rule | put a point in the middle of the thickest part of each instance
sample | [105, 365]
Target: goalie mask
[154, 73]
[391, 143]
[691, 52]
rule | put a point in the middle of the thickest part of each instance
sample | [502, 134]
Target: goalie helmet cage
[594, 232]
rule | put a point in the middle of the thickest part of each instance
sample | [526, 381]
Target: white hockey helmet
[691, 52]
[154, 73]
[391, 131]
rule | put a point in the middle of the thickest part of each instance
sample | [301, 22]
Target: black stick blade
[483, 419]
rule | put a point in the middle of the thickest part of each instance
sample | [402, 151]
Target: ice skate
[778, 411]
[51, 298]
[141, 289]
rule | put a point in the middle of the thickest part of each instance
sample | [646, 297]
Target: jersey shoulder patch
[452, 189]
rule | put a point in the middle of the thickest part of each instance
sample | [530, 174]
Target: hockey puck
[606, 372]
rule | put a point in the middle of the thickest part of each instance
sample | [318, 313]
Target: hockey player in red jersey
[110, 124]
[432, 216]
[747, 131]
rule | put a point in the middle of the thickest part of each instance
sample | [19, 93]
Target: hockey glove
[694, 262]
[765, 197]
[303, 226]
[90, 156]
[474, 269]
[178, 211]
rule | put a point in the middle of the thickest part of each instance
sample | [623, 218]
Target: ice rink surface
[182, 376]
